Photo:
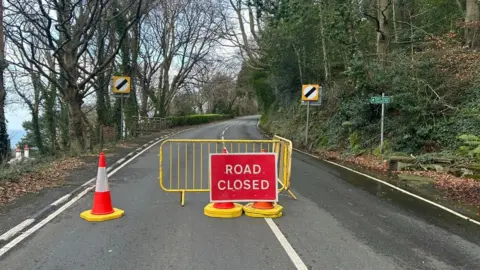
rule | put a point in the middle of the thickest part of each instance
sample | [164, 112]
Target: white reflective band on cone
[102, 184]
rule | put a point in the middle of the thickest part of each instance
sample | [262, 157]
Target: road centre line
[292, 254]
[223, 132]
[297, 261]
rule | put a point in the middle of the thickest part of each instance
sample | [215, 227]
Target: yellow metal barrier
[288, 145]
[184, 163]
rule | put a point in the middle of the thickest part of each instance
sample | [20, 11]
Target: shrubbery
[196, 119]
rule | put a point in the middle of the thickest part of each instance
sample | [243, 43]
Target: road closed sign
[238, 177]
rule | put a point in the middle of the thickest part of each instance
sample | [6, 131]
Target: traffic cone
[263, 209]
[223, 209]
[102, 209]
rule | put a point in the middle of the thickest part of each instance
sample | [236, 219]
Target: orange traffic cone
[102, 209]
[263, 209]
[223, 209]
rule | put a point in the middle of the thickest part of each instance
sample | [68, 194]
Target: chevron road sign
[121, 84]
[310, 92]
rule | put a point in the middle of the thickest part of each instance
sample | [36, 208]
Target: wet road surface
[340, 221]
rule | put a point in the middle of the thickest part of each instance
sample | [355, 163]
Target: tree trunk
[324, 44]
[382, 32]
[36, 131]
[394, 19]
[4, 142]
[472, 24]
[144, 98]
[76, 125]
[50, 116]
[132, 102]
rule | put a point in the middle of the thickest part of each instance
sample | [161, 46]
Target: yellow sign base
[275, 212]
[210, 211]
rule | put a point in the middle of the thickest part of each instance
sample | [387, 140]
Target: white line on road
[24, 235]
[44, 221]
[61, 200]
[397, 188]
[16, 229]
[223, 132]
[297, 261]
[390, 185]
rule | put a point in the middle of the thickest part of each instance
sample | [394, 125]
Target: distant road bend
[340, 221]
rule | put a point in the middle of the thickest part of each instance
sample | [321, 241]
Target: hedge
[196, 119]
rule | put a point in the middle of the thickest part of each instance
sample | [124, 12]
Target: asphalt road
[339, 221]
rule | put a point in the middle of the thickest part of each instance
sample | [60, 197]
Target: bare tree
[189, 32]
[4, 144]
[67, 28]
[28, 85]
[235, 30]
[150, 56]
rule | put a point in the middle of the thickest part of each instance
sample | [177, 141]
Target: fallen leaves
[366, 161]
[46, 175]
[455, 188]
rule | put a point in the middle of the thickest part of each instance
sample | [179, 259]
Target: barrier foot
[182, 197]
[263, 210]
[222, 210]
[291, 194]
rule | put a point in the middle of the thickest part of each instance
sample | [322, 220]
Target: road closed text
[240, 177]
[239, 170]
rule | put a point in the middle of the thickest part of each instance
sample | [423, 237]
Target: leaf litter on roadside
[46, 175]
[455, 188]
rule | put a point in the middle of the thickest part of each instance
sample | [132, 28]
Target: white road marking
[223, 132]
[7, 235]
[396, 188]
[36, 227]
[61, 200]
[392, 186]
[24, 235]
[297, 261]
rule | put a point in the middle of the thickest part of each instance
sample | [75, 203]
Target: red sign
[238, 177]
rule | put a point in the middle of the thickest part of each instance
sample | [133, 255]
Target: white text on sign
[239, 169]
[247, 184]
[243, 177]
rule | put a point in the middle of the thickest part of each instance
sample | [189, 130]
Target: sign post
[308, 123]
[381, 100]
[309, 94]
[121, 86]
[243, 177]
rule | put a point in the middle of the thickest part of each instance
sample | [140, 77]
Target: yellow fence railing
[288, 161]
[184, 163]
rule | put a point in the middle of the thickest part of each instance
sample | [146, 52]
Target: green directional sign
[380, 100]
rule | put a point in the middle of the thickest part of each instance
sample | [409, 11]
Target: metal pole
[306, 128]
[121, 117]
[381, 124]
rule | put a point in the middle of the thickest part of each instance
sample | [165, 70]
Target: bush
[196, 119]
